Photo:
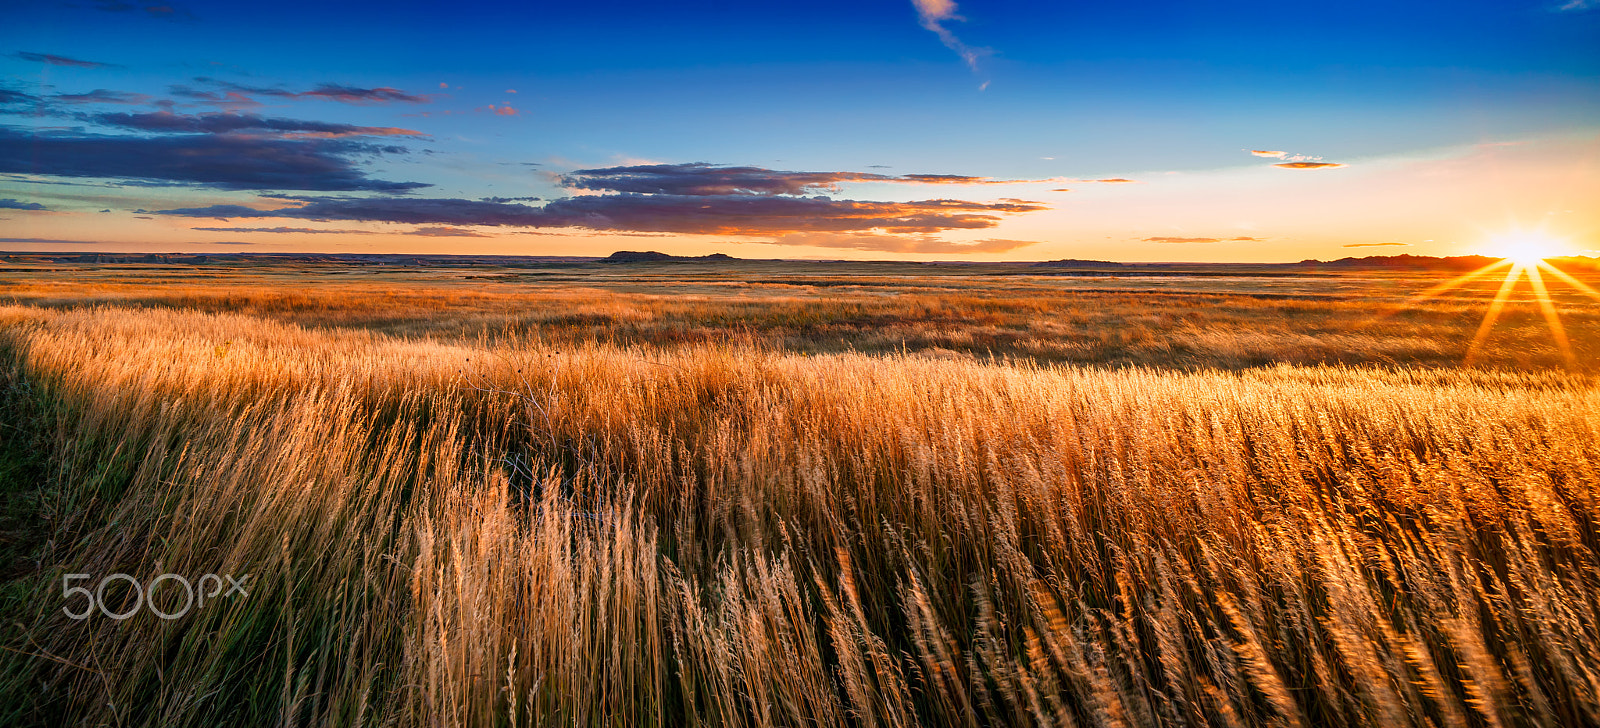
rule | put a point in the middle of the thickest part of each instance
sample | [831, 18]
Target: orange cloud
[447, 232]
[1266, 153]
[1371, 245]
[1310, 165]
[1107, 181]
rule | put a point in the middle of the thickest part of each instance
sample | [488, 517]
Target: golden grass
[1194, 323]
[513, 532]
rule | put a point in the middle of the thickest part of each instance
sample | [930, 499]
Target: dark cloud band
[223, 161]
[223, 123]
[697, 214]
[700, 178]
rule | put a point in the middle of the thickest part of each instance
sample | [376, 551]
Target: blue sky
[1422, 127]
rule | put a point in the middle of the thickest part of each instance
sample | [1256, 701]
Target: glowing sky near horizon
[915, 129]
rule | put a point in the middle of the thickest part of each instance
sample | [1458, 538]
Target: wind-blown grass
[519, 533]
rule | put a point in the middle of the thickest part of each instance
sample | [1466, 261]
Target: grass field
[664, 495]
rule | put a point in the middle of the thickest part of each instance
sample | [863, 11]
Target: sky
[1227, 131]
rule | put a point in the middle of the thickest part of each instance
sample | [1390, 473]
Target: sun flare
[1526, 248]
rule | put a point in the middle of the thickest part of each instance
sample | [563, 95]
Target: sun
[1522, 254]
[1525, 248]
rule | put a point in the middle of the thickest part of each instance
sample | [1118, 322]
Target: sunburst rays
[1521, 262]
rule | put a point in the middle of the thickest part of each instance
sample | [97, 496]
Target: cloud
[1061, 189]
[1295, 161]
[102, 96]
[11, 96]
[51, 241]
[899, 243]
[447, 232]
[1107, 181]
[759, 214]
[327, 91]
[355, 95]
[432, 232]
[1241, 239]
[1578, 6]
[1371, 245]
[7, 203]
[934, 14]
[222, 161]
[505, 110]
[700, 178]
[164, 10]
[682, 199]
[225, 123]
[295, 230]
[56, 60]
[697, 214]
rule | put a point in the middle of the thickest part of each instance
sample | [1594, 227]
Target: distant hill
[1406, 261]
[651, 256]
[1075, 263]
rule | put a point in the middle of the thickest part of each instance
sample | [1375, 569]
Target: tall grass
[520, 533]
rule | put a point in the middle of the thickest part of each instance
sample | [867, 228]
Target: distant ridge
[651, 256]
[1407, 261]
[1075, 263]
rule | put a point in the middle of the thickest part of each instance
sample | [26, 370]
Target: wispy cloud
[447, 232]
[283, 230]
[1310, 165]
[163, 10]
[1106, 181]
[226, 123]
[101, 96]
[934, 14]
[326, 91]
[7, 203]
[1241, 239]
[55, 60]
[12, 96]
[1296, 161]
[699, 178]
[1578, 5]
[357, 95]
[431, 232]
